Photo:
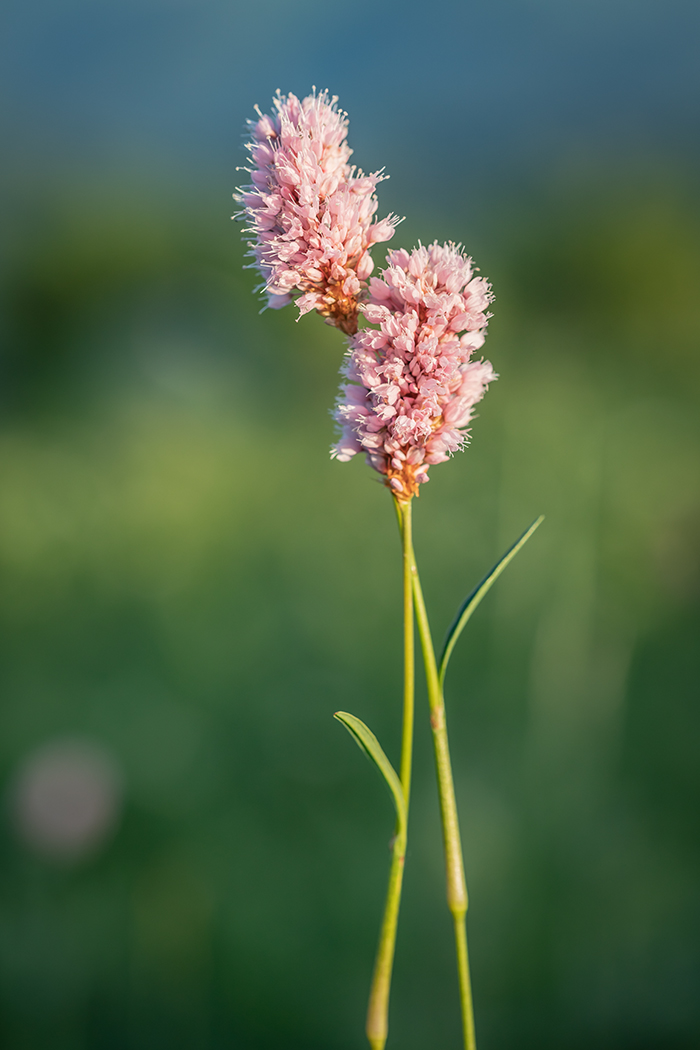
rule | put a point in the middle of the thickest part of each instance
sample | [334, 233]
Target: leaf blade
[367, 742]
[474, 597]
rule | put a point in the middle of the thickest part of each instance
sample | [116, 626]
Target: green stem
[465, 984]
[404, 512]
[457, 900]
[378, 1010]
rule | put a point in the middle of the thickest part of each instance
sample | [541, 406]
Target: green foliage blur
[189, 582]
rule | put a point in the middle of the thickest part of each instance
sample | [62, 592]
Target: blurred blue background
[189, 587]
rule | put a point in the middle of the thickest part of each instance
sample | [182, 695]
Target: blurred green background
[188, 583]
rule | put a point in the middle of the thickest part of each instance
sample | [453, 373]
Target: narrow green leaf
[472, 600]
[367, 742]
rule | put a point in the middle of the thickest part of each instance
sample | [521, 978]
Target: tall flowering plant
[410, 383]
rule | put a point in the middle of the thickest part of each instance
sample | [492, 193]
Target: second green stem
[457, 900]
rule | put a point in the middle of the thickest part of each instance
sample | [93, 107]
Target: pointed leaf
[367, 742]
[472, 600]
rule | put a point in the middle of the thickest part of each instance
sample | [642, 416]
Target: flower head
[310, 213]
[411, 382]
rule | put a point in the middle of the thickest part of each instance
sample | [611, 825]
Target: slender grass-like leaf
[367, 742]
[472, 600]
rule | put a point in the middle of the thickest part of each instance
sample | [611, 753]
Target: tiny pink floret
[411, 383]
[309, 212]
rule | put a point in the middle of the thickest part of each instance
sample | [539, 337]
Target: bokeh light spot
[66, 799]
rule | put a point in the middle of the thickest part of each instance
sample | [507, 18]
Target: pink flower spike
[310, 214]
[412, 384]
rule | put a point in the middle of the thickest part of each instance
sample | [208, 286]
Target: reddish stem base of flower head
[403, 482]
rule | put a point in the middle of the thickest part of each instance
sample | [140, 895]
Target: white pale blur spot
[66, 799]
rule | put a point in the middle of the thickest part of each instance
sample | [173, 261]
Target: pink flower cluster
[309, 212]
[411, 383]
